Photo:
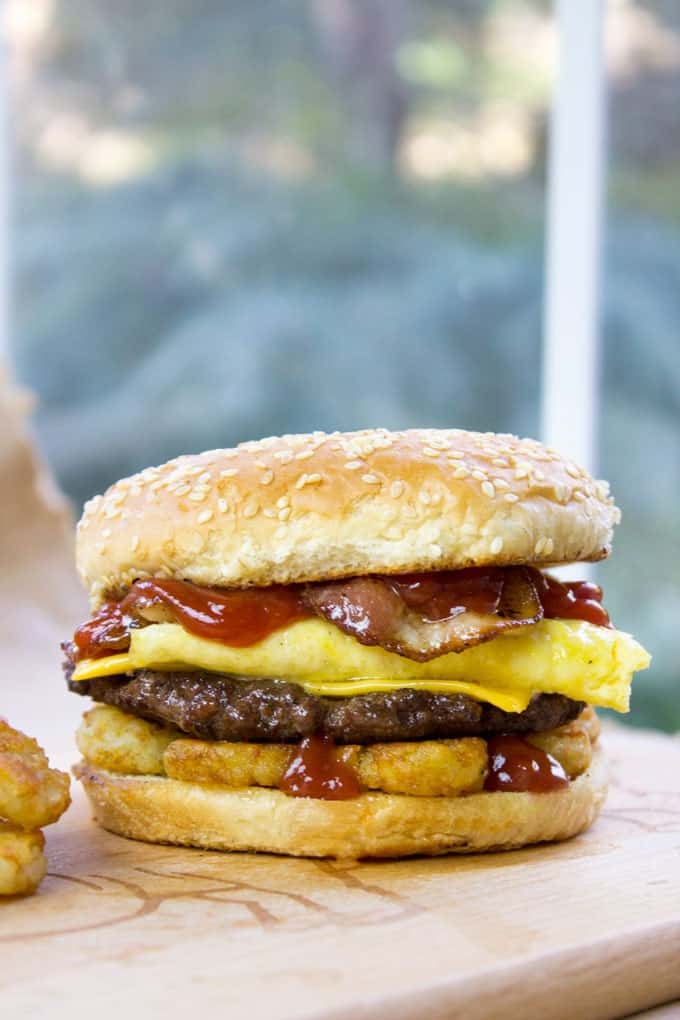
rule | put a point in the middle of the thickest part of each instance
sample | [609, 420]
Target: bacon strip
[376, 612]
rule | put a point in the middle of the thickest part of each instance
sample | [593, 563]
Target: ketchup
[448, 593]
[571, 600]
[106, 633]
[316, 772]
[237, 618]
[516, 766]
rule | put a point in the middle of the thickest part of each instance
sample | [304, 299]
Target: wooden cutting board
[585, 929]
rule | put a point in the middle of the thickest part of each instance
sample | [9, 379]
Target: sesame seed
[461, 472]
[285, 456]
[370, 479]
[521, 472]
[424, 497]
[134, 543]
[283, 501]
[501, 483]
[510, 497]
[204, 516]
[500, 462]
[429, 452]
[267, 478]
[280, 531]
[549, 546]
[111, 512]
[578, 495]
[251, 508]
[488, 489]
[354, 465]
[496, 545]
[396, 489]
[538, 475]
[205, 477]
[197, 495]
[303, 480]
[284, 513]
[269, 512]
[222, 506]
[573, 471]
[304, 455]
[106, 532]
[538, 548]
[479, 475]
[228, 472]
[182, 490]
[260, 464]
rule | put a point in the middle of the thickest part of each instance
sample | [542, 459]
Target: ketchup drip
[516, 766]
[571, 600]
[449, 593]
[316, 772]
[238, 618]
[106, 633]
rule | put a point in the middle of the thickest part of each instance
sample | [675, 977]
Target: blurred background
[264, 216]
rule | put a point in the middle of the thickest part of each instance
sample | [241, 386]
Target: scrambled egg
[571, 657]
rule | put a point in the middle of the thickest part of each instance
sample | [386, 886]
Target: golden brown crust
[160, 810]
[300, 508]
[31, 793]
[22, 861]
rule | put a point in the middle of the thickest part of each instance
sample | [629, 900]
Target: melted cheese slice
[571, 657]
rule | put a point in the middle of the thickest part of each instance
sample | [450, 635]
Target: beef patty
[220, 707]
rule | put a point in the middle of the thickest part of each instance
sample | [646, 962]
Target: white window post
[571, 323]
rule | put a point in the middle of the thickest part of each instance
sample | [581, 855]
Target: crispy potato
[225, 764]
[31, 793]
[22, 862]
[114, 740]
[589, 721]
[430, 768]
[572, 744]
[425, 768]
[118, 742]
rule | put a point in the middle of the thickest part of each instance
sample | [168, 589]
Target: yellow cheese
[570, 657]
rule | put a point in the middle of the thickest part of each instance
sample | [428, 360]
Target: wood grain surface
[586, 929]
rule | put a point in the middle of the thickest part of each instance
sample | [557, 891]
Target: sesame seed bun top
[308, 507]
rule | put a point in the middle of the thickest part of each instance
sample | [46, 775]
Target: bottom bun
[161, 810]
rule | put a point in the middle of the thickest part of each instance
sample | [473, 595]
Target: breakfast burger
[348, 645]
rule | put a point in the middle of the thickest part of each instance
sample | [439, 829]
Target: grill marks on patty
[220, 707]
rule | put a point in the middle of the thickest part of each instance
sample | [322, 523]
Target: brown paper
[40, 598]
